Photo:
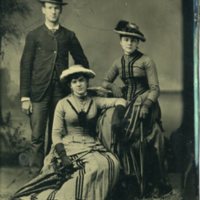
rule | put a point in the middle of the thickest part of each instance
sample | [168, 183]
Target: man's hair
[44, 3]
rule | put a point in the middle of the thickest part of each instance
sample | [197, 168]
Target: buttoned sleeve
[103, 103]
[59, 126]
[76, 52]
[26, 65]
[152, 77]
[111, 75]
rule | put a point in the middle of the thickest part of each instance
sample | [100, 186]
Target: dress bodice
[133, 76]
[66, 119]
[75, 124]
[138, 73]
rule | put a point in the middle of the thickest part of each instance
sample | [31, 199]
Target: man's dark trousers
[42, 112]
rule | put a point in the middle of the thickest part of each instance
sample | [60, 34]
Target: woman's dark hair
[74, 76]
[77, 75]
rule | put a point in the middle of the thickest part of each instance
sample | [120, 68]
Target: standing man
[44, 57]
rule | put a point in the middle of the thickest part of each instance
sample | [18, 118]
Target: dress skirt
[139, 145]
[96, 172]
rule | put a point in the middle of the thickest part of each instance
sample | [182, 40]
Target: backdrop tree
[9, 31]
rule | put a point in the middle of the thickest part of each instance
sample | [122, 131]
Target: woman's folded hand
[60, 150]
[144, 111]
[66, 162]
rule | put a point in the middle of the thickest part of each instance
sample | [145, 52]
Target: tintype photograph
[99, 100]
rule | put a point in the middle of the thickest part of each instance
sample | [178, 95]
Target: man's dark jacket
[44, 54]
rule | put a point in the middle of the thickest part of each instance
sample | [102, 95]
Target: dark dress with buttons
[141, 143]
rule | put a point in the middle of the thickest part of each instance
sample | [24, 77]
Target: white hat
[77, 69]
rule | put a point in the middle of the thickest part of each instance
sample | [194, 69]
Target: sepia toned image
[99, 100]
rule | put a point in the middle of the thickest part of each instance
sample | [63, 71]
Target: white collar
[84, 96]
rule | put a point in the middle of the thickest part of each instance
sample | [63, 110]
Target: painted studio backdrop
[93, 22]
[165, 24]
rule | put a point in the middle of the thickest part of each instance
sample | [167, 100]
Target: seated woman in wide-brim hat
[78, 165]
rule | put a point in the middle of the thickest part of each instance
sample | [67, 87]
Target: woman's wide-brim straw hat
[129, 29]
[59, 2]
[77, 69]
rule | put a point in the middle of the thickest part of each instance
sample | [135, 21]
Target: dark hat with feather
[129, 29]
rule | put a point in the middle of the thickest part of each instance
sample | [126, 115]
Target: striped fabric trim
[34, 196]
[72, 106]
[129, 162]
[133, 122]
[32, 187]
[135, 56]
[123, 68]
[52, 195]
[80, 180]
[131, 75]
[135, 169]
[132, 116]
[73, 157]
[111, 166]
